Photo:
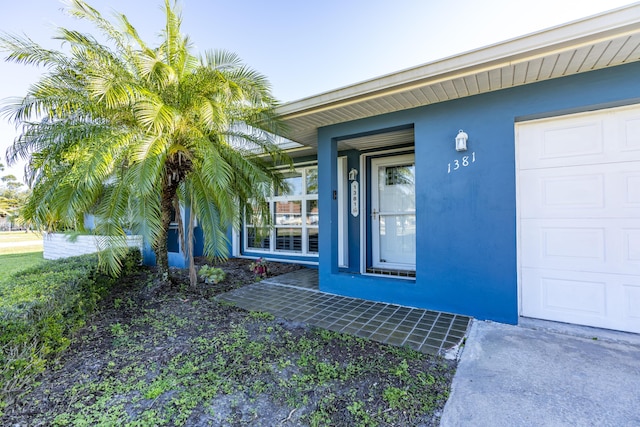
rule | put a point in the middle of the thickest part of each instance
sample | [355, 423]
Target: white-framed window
[295, 218]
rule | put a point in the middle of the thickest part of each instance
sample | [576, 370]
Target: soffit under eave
[495, 75]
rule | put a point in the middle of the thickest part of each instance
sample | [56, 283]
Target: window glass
[399, 175]
[292, 184]
[288, 213]
[289, 239]
[312, 240]
[294, 217]
[258, 238]
[312, 212]
[312, 181]
[253, 216]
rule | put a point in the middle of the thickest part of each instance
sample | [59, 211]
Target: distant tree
[129, 132]
[13, 197]
[11, 182]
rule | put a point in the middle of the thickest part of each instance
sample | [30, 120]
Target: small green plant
[397, 398]
[259, 267]
[212, 275]
[261, 315]
[402, 370]
[359, 412]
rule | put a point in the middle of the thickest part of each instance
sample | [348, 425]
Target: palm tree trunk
[162, 252]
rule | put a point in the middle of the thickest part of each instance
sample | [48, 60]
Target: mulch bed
[176, 356]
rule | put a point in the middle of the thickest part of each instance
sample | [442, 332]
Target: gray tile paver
[295, 296]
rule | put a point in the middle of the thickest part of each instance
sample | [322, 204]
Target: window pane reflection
[258, 238]
[288, 213]
[312, 181]
[292, 184]
[312, 212]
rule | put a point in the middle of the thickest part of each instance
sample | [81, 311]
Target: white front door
[393, 212]
[579, 218]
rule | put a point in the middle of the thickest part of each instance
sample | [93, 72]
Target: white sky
[305, 47]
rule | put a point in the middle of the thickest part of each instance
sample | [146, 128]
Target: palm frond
[109, 214]
[221, 60]
[214, 231]
[123, 129]
[155, 115]
[146, 217]
[81, 10]
[23, 50]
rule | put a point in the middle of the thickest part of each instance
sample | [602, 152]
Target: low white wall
[58, 246]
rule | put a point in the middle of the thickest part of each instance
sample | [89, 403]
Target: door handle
[374, 213]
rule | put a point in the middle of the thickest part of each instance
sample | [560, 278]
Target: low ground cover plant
[40, 308]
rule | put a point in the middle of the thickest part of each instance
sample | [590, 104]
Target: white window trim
[343, 215]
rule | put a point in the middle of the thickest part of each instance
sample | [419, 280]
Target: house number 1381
[461, 163]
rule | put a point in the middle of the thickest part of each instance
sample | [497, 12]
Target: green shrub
[40, 308]
[211, 274]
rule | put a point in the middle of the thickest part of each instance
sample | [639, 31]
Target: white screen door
[393, 212]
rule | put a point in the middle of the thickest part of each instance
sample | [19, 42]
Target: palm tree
[129, 132]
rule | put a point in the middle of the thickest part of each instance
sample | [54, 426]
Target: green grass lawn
[12, 263]
[19, 242]
[18, 251]
[22, 249]
[19, 236]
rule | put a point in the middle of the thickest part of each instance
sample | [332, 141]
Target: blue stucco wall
[176, 255]
[466, 219]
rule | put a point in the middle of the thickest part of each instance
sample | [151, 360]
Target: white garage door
[579, 218]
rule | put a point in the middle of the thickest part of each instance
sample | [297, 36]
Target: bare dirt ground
[157, 356]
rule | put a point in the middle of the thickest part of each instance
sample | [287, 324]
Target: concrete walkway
[519, 376]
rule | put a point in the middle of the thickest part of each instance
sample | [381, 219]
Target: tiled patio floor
[295, 296]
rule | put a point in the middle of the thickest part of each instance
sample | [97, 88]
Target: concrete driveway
[533, 376]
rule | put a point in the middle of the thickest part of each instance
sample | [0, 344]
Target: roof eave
[614, 23]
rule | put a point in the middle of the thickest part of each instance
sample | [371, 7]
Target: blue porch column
[328, 204]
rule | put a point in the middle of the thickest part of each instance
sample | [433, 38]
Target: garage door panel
[609, 190]
[601, 300]
[631, 246]
[579, 218]
[581, 244]
[590, 138]
[558, 143]
[632, 298]
[551, 244]
[631, 182]
[629, 128]
[570, 140]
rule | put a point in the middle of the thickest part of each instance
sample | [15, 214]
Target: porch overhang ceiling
[600, 41]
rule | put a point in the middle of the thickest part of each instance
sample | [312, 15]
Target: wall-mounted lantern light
[353, 174]
[461, 140]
